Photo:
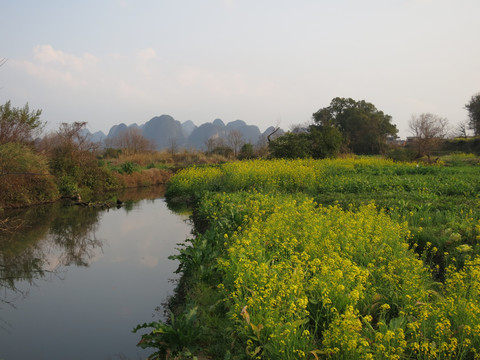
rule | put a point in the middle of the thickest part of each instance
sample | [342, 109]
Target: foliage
[469, 145]
[67, 185]
[19, 124]
[473, 108]
[24, 177]
[404, 154]
[112, 153]
[179, 337]
[72, 158]
[246, 152]
[326, 141]
[127, 167]
[291, 146]
[343, 280]
[363, 127]
[318, 142]
[222, 150]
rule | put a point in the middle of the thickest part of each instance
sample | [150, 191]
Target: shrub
[128, 167]
[24, 177]
[67, 186]
[402, 154]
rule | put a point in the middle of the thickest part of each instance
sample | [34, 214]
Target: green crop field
[358, 258]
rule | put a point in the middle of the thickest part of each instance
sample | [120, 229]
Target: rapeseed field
[358, 258]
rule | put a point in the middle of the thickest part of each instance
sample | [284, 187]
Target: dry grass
[143, 159]
[156, 158]
[147, 177]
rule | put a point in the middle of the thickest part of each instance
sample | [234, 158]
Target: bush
[24, 177]
[402, 154]
[246, 152]
[67, 186]
[112, 153]
[291, 146]
[128, 167]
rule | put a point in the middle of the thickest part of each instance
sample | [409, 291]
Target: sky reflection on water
[87, 307]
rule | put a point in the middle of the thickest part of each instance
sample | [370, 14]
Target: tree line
[359, 127]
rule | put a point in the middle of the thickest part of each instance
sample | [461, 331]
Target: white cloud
[59, 68]
[146, 54]
[46, 54]
[49, 75]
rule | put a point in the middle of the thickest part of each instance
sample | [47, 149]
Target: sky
[267, 62]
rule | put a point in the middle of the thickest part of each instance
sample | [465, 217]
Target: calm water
[78, 280]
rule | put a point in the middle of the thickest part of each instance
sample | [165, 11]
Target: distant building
[394, 140]
[411, 139]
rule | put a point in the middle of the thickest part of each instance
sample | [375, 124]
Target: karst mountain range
[164, 129]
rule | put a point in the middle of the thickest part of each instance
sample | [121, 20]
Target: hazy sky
[266, 62]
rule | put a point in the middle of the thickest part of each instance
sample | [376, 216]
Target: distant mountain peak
[218, 122]
[237, 123]
[164, 130]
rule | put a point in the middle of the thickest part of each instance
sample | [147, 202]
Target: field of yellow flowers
[327, 259]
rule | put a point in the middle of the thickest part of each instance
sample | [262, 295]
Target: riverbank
[30, 178]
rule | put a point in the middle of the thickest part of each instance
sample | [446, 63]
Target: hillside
[164, 129]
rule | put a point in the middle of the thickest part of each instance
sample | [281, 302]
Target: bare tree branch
[272, 133]
[428, 130]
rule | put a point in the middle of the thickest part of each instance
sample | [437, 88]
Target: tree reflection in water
[50, 238]
[39, 242]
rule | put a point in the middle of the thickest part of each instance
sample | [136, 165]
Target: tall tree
[364, 128]
[473, 108]
[19, 124]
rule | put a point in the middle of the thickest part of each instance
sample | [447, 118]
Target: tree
[216, 145]
[246, 152]
[316, 141]
[364, 128]
[69, 149]
[462, 129]
[473, 108]
[172, 145]
[291, 146]
[326, 141]
[271, 135]
[73, 160]
[131, 141]
[19, 124]
[428, 130]
[235, 140]
[211, 144]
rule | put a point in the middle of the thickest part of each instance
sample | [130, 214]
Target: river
[75, 281]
